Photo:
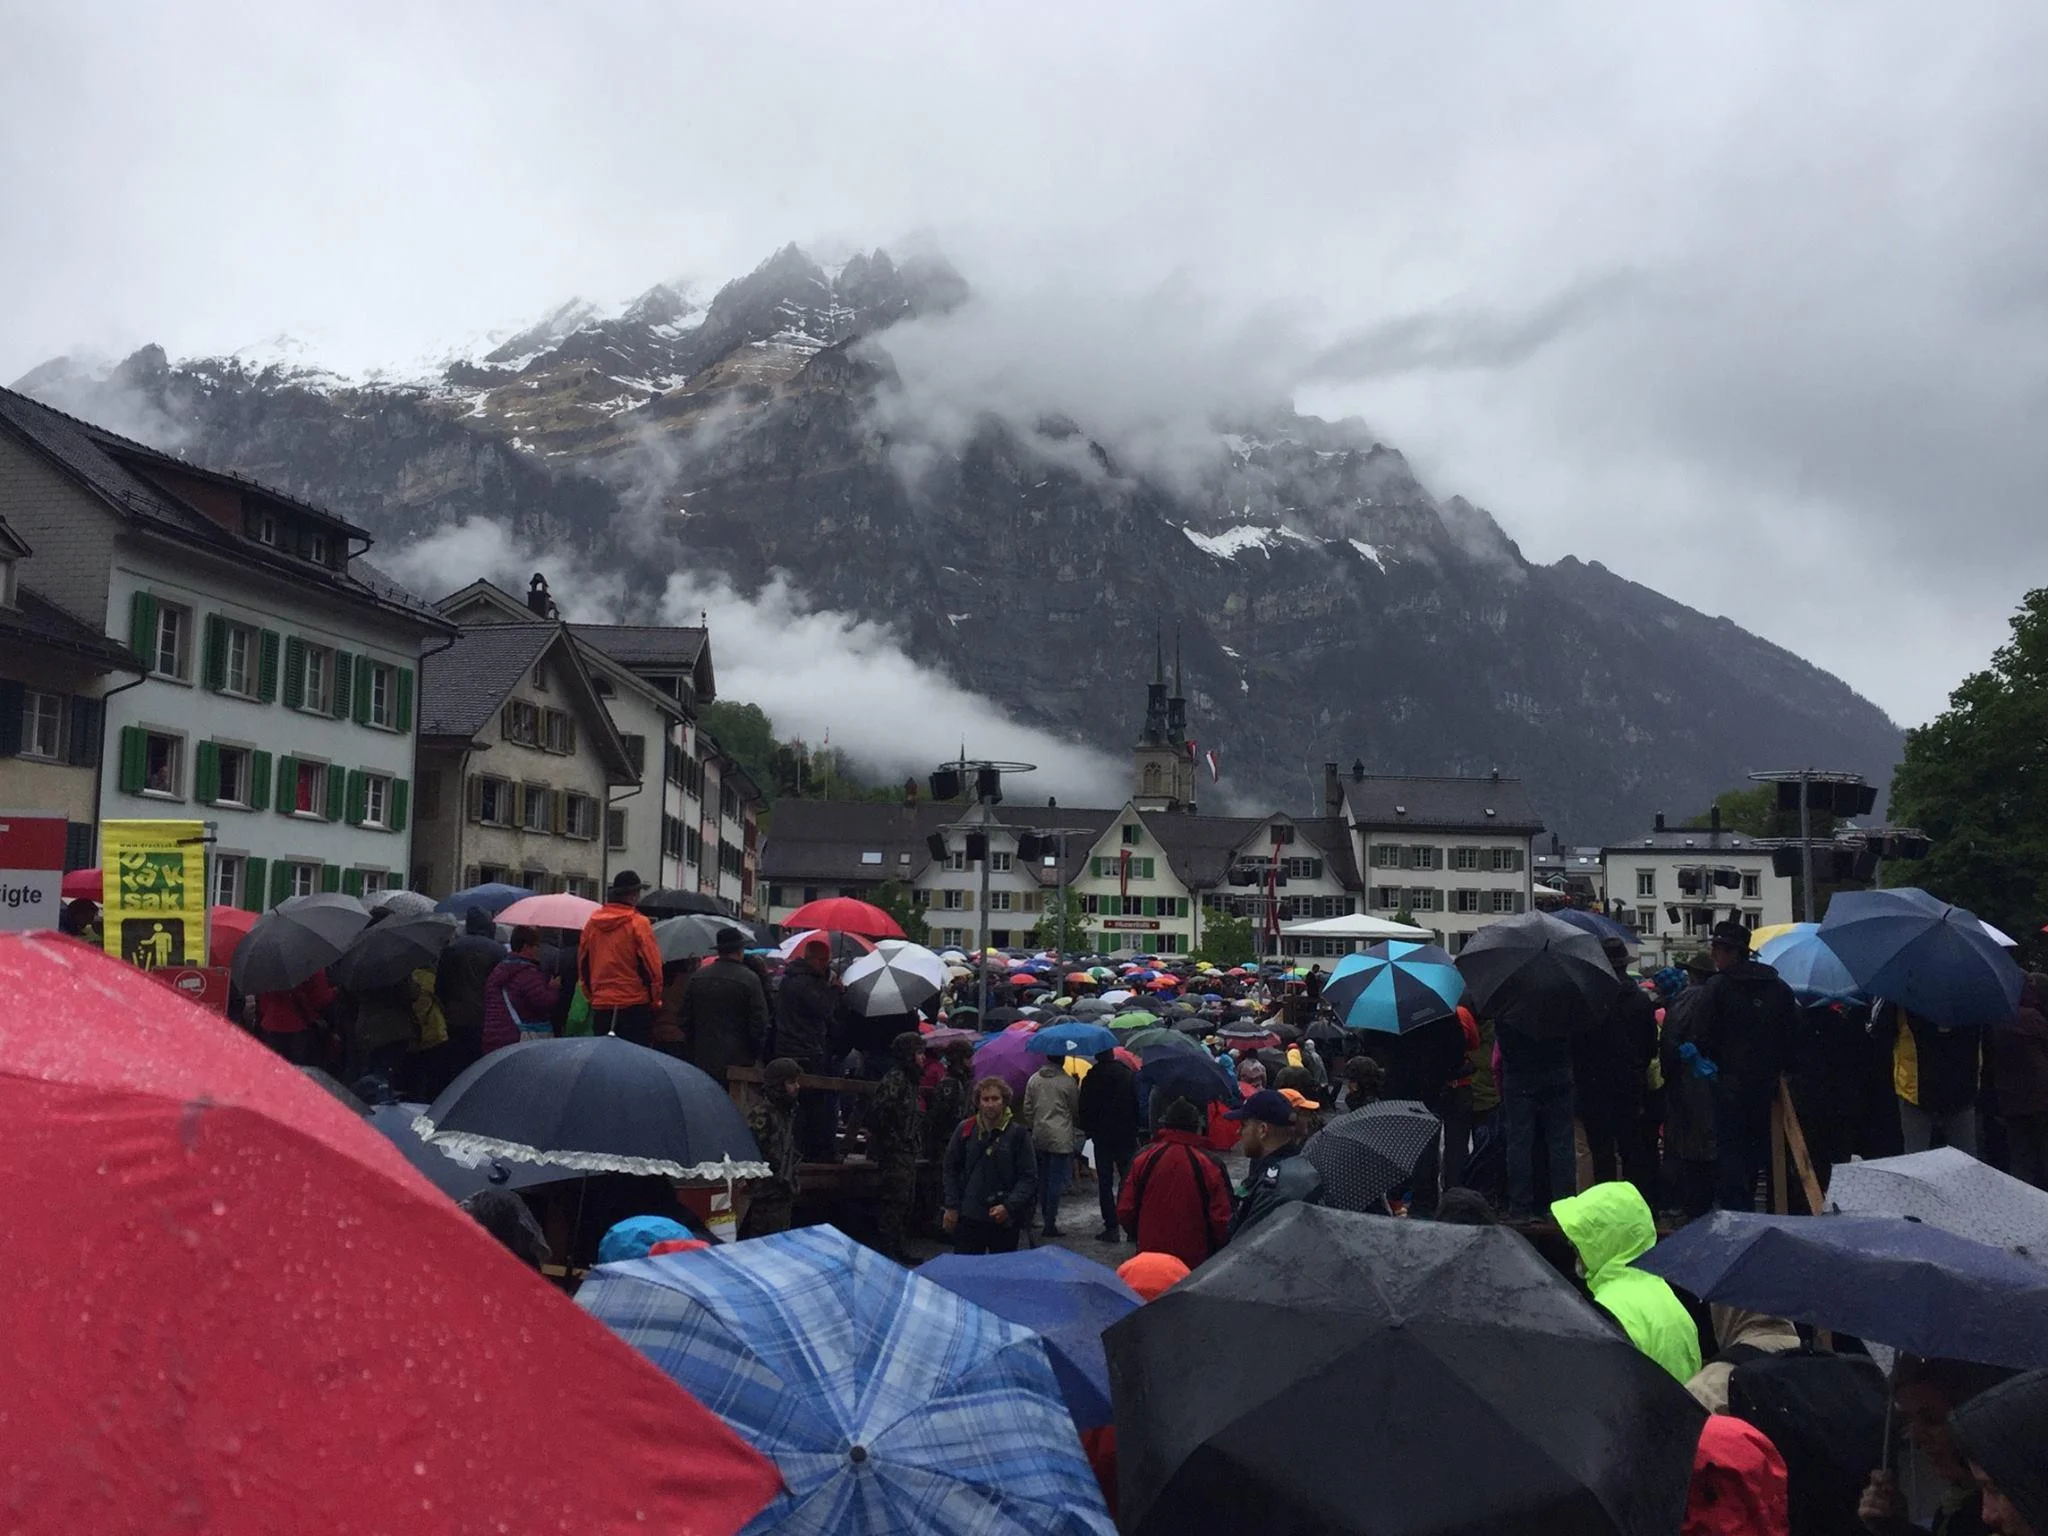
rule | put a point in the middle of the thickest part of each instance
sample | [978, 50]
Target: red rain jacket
[1176, 1199]
[1738, 1483]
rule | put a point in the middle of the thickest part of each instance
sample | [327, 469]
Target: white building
[1454, 853]
[1673, 885]
[280, 697]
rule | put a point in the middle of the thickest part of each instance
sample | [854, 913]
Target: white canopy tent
[1356, 926]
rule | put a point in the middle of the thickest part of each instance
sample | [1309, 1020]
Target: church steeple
[1156, 730]
[1177, 705]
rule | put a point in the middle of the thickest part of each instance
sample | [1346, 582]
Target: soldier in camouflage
[896, 1129]
[773, 1122]
[951, 1102]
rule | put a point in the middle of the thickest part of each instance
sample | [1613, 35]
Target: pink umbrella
[560, 910]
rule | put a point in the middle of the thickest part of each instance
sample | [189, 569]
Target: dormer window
[6, 583]
[316, 548]
[266, 528]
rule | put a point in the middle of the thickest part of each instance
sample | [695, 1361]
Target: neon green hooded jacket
[1610, 1225]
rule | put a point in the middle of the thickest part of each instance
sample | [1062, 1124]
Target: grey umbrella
[385, 954]
[1947, 1189]
[689, 937]
[400, 903]
[296, 939]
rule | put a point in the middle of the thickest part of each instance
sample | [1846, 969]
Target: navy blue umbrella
[1394, 987]
[1063, 1298]
[1934, 960]
[1184, 1075]
[458, 1181]
[494, 897]
[1887, 1280]
[1598, 924]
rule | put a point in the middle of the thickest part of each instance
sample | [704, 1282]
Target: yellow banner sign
[155, 892]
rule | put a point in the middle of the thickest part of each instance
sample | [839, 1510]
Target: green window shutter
[287, 785]
[365, 674]
[344, 683]
[255, 872]
[134, 760]
[280, 881]
[88, 729]
[337, 792]
[404, 717]
[330, 877]
[206, 773]
[294, 672]
[142, 627]
[358, 795]
[266, 666]
[352, 881]
[11, 702]
[401, 795]
[213, 667]
[259, 781]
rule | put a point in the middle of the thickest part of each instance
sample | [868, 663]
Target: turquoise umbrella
[1394, 987]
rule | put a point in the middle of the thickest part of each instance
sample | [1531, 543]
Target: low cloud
[817, 674]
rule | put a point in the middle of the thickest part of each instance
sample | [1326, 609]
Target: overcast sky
[1749, 302]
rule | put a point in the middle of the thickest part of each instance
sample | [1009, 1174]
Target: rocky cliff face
[1330, 606]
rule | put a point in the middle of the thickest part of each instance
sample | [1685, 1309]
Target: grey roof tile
[462, 687]
[1383, 801]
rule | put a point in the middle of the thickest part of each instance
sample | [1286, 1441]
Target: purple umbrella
[1008, 1056]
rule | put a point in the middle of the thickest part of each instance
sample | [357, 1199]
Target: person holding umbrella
[619, 964]
[1926, 1394]
[1279, 1175]
[1935, 1073]
[806, 1007]
[1107, 1111]
[991, 1174]
[1746, 1023]
[461, 980]
[2002, 1432]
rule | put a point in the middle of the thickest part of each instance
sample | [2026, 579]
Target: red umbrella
[227, 927]
[558, 910]
[233, 1297]
[85, 885]
[845, 915]
[844, 946]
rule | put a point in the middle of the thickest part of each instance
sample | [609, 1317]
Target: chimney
[1333, 791]
[1358, 770]
[1714, 826]
[539, 601]
[1660, 821]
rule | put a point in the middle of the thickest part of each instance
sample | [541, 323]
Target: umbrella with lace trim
[595, 1104]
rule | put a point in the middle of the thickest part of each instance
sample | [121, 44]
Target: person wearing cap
[723, 1013]
[1278, 1174]
[2004, 1435]
[772, 1119]
[1748, 1020]
[806, 1006]
[619, 964]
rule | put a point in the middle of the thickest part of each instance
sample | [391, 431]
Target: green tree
[1975, 780]
[1047, 934]
[1227, 939]
[745, 731]
[895, 898]
[1754, 813]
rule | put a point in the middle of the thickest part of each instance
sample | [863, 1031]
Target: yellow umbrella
[1759, 937]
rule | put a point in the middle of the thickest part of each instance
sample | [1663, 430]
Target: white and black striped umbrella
[899, 977]
[1366, 1154]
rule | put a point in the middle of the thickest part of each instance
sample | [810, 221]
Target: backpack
[1826, 1415]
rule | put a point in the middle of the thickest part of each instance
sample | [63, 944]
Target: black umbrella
[1371, 1151]
[456, 1180]
[596, 1104]
[1324, 1028]
[1555, 979]
[385, 953]
[999, 1018]
[296, 939]
[1358, 1341]
[1182, 1074]
[1195, 1026]
[674, 903]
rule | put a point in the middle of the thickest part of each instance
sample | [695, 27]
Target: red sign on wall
[31, 870]
[206, 985]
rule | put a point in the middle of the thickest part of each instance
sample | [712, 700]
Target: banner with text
[31, 869]
[155, 878]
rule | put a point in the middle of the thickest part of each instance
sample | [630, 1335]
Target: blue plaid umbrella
[888, 1403]
[1814, 972]
[1394, 987]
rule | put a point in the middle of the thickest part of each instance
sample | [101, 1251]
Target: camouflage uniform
[773, 1123]
[951, 1103]
[896, 1129]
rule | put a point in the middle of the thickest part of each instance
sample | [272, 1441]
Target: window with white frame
[233, 779]
[535, 808]
[163, 763]
[521, 723]
[1507, 860]
[1464, 901]
[952, 901]
[615, 831]
[1507, 901]
[42, 725]
[1752, 887]
[305, 878]
[557, 734]
[1423, 898]
[239, 651]
[956, 859]
[1302, 868]
[1465, 858]
[953, 936]
[1646, 885]
[375, 880]
[494, 801]
[999, 863]
[376, 800]
[228, 871]
[999, 901]
[1386, 855]
[579, 816]
[1386, 898]
[383, 689]
[316, 694]
[173, 640]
